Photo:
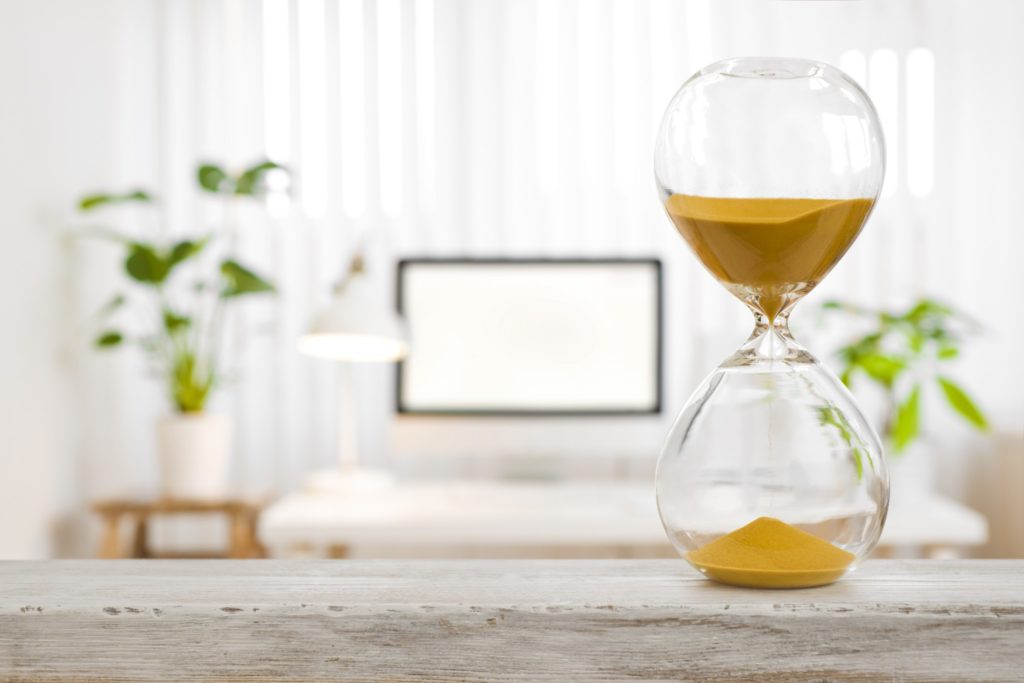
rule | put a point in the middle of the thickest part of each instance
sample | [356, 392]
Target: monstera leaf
[144, 264]
[248, 183]
[94, 201]
[239, 280]
[211, 177]
[151, 265]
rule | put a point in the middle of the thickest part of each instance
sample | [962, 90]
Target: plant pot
[195, 455]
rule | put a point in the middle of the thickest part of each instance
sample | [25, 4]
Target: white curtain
[504, 128]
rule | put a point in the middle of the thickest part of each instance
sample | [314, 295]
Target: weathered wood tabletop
[502, 621]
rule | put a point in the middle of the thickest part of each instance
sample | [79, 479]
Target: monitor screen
[531, 336]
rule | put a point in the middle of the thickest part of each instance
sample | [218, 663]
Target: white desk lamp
[357, 327]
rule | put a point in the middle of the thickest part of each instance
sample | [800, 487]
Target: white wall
[524, 129]
[74, 92]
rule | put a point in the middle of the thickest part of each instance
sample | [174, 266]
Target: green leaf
[881, 368]
[211, 178]
[926, 308]
[907, 424]
[174, 322]
[109, 339]
[962, 403]
[240, 280]
[145, 265]
[865, 346]
[948, 352]
[184, 250]
[93, 201]
[250, 182]
[858, 462]
[829, 415]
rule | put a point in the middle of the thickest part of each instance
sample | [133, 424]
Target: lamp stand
[349, 479]
[348, 420]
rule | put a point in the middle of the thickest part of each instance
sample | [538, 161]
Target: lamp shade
[358, 326]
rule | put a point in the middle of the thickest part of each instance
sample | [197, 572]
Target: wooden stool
[242, 515]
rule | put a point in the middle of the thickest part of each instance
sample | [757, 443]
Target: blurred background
[296, 145]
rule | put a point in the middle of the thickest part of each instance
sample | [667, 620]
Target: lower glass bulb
[771, 476]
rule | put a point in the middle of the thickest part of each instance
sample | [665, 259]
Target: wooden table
[594, 620]
[482, 515]
[242, 515]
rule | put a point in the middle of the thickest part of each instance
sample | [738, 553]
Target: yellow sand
[769, 252]
[768, 553]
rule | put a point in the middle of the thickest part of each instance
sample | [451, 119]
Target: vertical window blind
[479, 127]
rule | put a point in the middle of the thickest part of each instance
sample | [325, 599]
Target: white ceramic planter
[195, 455]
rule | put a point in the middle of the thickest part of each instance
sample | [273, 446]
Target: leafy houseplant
[183, 290]
[903, 353]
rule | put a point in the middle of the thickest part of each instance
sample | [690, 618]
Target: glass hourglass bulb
[771, 476]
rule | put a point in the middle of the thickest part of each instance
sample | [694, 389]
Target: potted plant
[183, 290]
[904, 354]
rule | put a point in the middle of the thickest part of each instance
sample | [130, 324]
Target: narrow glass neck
[780, 325]
[769, 342]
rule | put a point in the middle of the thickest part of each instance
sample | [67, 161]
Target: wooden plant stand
[242, 515]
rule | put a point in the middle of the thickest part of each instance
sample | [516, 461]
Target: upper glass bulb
[769, 169]
[772, 139]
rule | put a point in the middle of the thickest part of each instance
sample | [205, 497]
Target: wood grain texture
[502, 621]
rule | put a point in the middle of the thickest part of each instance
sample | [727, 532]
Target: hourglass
[771, 477]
